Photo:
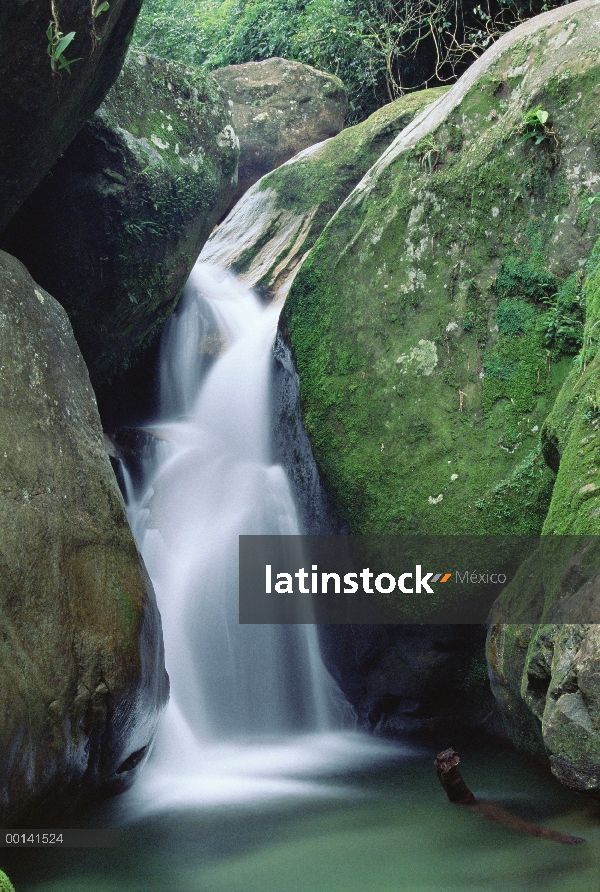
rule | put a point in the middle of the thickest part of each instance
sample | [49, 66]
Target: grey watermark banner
[408, 579]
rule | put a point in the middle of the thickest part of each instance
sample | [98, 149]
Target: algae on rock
[435, 321]
[117, 225]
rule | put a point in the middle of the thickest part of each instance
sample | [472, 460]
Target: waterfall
[251, 692]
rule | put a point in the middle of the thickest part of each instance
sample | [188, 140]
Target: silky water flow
[253, 712]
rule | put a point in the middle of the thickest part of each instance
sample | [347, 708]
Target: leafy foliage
[534, 125]
[57, 44]
[379, 48]
[564, 320]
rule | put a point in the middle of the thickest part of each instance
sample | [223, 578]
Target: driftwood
[457, 791]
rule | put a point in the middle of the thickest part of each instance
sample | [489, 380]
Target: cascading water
[210, 480]
[250, 721]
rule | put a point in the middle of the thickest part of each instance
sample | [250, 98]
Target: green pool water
[389, 829]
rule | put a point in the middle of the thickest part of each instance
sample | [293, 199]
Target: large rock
[435, 319]
[42, 109]
[279, 108]
[545, 670]
[424, 320]
[83, 678]
[117, 225]
[274, 225]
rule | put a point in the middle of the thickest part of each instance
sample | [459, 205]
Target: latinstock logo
[385, 583]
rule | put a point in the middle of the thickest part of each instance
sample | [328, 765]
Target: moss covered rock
[42, 103]
[436, 318]
[115, 228]
[424, 321]
[545, 671]
[81, 650]
[275, 224]
[279, 108]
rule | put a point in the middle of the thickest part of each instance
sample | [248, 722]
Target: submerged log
[446, 765]
[451, 780]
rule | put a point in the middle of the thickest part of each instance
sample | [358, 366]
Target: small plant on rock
[57, 44]
[535, 125]
[429, 152]
[99, 9]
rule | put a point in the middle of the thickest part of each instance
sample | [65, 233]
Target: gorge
[395, 331]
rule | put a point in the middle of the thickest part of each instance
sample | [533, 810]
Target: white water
[253, 712]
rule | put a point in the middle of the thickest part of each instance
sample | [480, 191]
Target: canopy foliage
[379, 48]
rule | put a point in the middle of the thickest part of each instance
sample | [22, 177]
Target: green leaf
[542, 115]
[102, 8]
[66, 63]
[64, 43]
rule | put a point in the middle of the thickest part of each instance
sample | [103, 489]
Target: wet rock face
[42, 109]
[116, 227]
[291, 447]
[81, 653]
[269, 233]
[547, 682]
[279, 108]
[412, 679]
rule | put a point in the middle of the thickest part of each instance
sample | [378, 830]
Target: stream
[258, 781]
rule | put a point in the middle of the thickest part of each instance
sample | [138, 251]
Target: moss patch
[574, 427]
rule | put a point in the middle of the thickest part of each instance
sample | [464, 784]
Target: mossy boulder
[424, 321]
[436, 318]
[545, 670]
[81, 652]
[117, 225]
[279, 108]
[44, 105]
[275, 224]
